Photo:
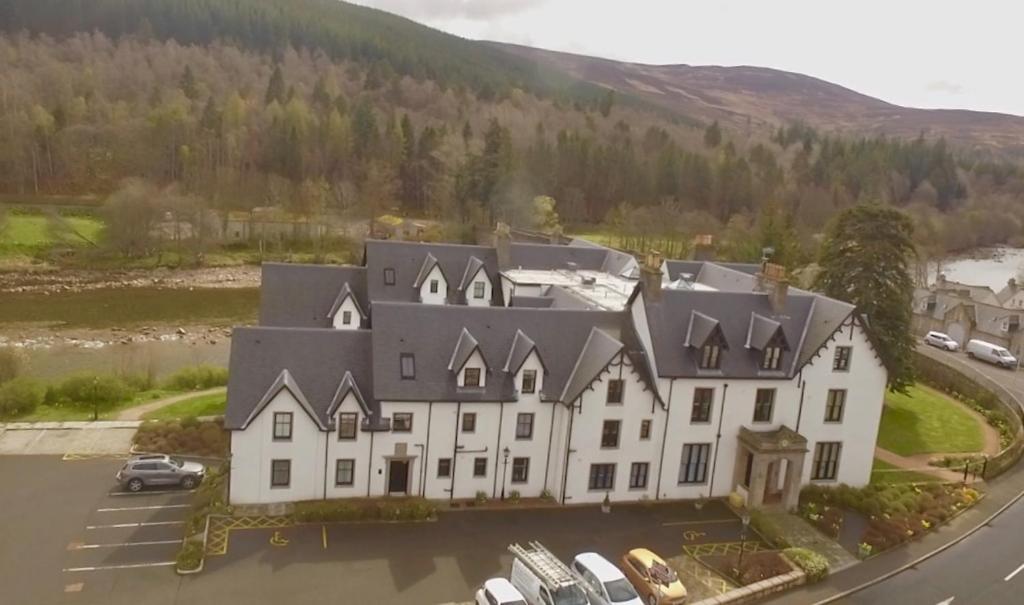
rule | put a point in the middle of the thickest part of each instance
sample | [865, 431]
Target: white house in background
[443, 370]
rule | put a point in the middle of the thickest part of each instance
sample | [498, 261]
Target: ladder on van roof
[545, 564]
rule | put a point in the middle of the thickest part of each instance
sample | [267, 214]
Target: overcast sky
[921, 53]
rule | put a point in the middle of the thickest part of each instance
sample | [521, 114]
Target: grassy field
[884, 473]
[38, 231]
[925, 421]
[49, 413]
[201, 405]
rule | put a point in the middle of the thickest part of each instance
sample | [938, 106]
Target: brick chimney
[503, 245]
[703, 247]
[773, 281]
[650, 276]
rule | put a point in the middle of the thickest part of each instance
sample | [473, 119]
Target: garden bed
[893, 514]
[755, 567]
[190, 437]
[368, 509]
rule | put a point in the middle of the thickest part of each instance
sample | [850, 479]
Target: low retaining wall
[757, 590]
[965, 380]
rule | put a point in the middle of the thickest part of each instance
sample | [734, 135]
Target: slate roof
[761, 331]
[408, 259]
[429, 262]
[597, 353]
[553, 256]
[700, 329]
[314, 362]
[669, 320]
[559, 337]
[303, 296]
[522, 346]
[345, 294]
[464, 349]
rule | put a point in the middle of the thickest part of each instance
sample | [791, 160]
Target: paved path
[917, 465]
[801, 533]
[137, 412]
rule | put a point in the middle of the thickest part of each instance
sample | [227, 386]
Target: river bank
[52, 280]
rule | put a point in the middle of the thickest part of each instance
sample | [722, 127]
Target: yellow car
[656, 582]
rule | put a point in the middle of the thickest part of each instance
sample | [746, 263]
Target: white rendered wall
[441, 296]
[253, 449]
[357, 449]
[475, 361]
[480, 277]
[355, 319]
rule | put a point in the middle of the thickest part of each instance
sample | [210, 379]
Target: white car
[940, 340]
[499, 591]
[605, 584]
[992, 353]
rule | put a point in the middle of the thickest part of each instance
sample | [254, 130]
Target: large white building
[445, 370]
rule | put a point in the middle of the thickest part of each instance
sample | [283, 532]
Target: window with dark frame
[478, 289]
[282, 426]
[408, 366]
[524, 425]
[469, 422]
[610, 433]
[826, 461]
[602, 476]
[834, 405]
[344, 472]
[702, 400]
[764, 404]
[401, 422]
[710, 357]
[529, 382]
[444, 467]
[389, 276]
[771, 358]
[479, 467]
[471, 377]
[638, 475]
[841, 361]
[346, 317]
[615, 389]
[645, 430]
[280, 473]
[694, 467]
[347, 424]
[433, 286]
[520, 470]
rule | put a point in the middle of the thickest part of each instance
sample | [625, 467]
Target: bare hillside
[768, 97]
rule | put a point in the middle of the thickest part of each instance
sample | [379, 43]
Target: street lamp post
[504, 470]
[745, 519]
[95, 399]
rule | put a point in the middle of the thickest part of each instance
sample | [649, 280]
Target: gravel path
[137, 412]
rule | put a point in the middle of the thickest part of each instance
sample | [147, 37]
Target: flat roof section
[598, 289]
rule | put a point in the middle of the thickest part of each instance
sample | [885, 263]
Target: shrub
[514, 496]
[814, 565]
[10, 364]
[333, 511]
[190, 555]
[20, 396]
[93, 390]
[481, 497]
[199, 438]
[197, 378]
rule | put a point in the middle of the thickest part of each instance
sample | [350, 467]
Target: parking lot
[70, 540]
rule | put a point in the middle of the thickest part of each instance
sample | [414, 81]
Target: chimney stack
[650, 276]
[1012, 284]
[703, 247]
[503, 245]
[772, 280]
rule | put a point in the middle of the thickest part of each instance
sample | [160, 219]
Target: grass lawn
[33, 231]
[884, 473]
[201, 405]
[925, 421]
[49, 413]
[597, 237]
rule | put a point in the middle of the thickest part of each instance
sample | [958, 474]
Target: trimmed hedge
[330, 511]
[814, 565]
[188, 437]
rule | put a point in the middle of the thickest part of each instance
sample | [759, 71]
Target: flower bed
[406, 509]
[209, 499]
[756, 566]
[895, 512]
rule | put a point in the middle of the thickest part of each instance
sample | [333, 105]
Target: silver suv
[159, 469]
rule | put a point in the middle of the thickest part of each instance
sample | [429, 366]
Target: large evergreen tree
[864, 260]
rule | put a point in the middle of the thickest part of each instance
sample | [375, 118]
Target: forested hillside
[323, 107]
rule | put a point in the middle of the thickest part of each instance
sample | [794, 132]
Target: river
[148, 329]
[990, 267]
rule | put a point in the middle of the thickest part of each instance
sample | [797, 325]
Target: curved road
[986, 568]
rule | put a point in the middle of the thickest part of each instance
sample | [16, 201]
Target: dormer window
[771, 358]
[529, 382]
[710, 356]
[433, 286]
[478, 289]
[471, 378]
[346, 318]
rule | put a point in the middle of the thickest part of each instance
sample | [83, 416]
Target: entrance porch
[769, 465]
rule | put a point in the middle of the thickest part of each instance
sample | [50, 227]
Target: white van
[605, 583]
[543, 579]
[995, 354]
[498, 591]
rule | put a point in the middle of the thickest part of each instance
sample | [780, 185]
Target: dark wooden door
[398, 477]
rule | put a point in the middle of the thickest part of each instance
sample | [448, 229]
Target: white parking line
[112, 510]
[149, 543]
[1013, 573]
[133, 566]
[153, 493]
[143, 524]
